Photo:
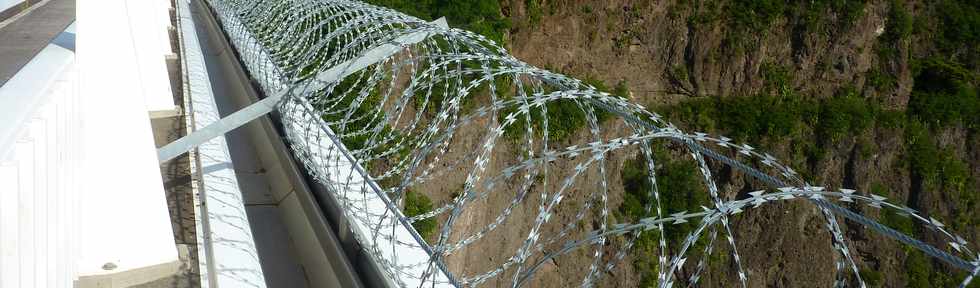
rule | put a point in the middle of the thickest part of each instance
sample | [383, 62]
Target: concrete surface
[125, 215]
[276, 250]
[177, 182]
[295, 244]
[26, 36]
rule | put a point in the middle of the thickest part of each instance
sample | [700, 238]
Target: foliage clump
[944, 97]
[417, 204]
[681, 188]
[756, 15]
[843, 115]
[565, 116]
[959, 30]
[480, 16]
[945, 94]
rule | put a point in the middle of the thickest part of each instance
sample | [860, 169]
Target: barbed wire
[456, 108]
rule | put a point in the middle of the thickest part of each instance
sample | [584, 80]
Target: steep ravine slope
[877, 95]
[841, 73]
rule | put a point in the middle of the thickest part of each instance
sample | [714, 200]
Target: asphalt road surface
[23, 38]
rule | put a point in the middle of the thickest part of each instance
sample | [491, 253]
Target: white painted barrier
[5, 4]
[125, 222]
[39, 161]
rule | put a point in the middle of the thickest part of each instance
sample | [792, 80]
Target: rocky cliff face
[672, 51]
[875, 95]
[903, 70]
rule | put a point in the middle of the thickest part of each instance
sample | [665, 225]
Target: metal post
[254, 111]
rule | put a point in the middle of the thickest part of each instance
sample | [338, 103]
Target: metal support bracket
[267, 105]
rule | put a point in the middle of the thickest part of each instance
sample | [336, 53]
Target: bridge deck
[26, 35]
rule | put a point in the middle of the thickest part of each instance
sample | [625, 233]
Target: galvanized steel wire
[405, 120]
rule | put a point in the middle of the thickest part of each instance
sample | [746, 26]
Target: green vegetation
[479, 16]
[944, 97]
[784, 120]
[681, 188]
[844, 115]
[898, 222]
[899, 25]
[621, 90]
[533, 11]
[871, 278]
[917, 270]
[745, 118]
[565, 116]
[920, 272]
[941, 171]
[945, 94]
[756, 15]
[778, 79]
[750, 17]
[364, 110]
[418, 204]
[880, 80]
[814, 15]
[959, 30]
[637, 189]
[365, 117]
